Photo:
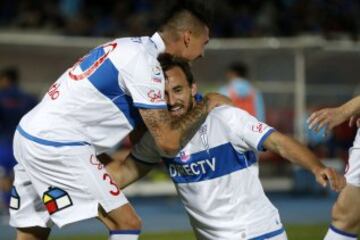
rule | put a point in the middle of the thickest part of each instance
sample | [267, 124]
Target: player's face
[179, 95]
[196, 44]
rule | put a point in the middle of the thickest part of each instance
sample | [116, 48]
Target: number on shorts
[116, 190]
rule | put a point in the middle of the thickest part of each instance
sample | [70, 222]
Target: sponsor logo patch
[259, 127]
[14, 199]
[155, 96]
[56, 199]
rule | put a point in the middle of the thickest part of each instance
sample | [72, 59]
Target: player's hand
[328, 118]
[215, 99]
[327, 175]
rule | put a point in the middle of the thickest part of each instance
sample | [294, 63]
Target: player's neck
[172, 45]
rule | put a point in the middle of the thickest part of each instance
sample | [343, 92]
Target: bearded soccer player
[215, 172]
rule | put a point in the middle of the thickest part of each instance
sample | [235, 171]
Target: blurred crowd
[232, 18]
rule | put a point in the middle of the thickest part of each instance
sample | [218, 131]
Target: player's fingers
[322, 179]
[315, 122]
[334, 179]
[319, 121]
[322, 122]
[313, 119]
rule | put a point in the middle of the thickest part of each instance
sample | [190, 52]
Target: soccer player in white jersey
[215, 172]
[346, 210]
[89, 109]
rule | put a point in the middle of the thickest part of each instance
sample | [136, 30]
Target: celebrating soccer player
[215, 173]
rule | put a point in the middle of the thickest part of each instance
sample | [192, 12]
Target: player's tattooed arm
[170, 133]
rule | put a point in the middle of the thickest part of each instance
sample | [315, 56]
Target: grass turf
[294, 232]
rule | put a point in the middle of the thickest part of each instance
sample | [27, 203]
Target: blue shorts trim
[125, 232]
[341, 232]
[47, 142]
[269, 235]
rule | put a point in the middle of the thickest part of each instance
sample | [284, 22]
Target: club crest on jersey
[183, 156]
[14, 199]
[204, 137]
[56, 199]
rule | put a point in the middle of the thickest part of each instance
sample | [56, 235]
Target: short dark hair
[189, 11]
[168, 61]
[11, 73]
[239, 68]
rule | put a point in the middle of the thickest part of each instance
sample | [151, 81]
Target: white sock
[124, 235]
[337, 234]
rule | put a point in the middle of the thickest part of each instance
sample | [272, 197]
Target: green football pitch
[294, 232]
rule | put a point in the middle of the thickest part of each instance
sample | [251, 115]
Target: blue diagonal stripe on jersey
[216, 162]
[105, 80]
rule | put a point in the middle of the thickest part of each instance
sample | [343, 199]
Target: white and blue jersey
[88, 110]
[216, 176]
[96, 101]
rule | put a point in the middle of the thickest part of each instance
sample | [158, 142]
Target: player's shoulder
[143, 45]
[227, 116]
[130, 46]
[134, 51]
[226, 111]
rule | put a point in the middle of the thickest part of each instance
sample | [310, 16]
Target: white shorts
[59, 185]
[352, 172]
[353, 169]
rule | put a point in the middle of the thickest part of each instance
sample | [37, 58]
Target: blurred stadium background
[302, 55]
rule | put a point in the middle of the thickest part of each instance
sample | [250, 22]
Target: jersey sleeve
[146, 84]
[146, 151]
[246, 130]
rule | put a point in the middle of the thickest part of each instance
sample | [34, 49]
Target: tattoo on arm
[191, 121]
[185, 126]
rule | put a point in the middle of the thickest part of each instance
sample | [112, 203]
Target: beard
[183, 109]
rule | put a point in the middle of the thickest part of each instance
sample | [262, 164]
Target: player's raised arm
[297, 153]
[331, 117]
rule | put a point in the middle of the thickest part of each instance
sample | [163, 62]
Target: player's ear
[187, 38]
[193, 89]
